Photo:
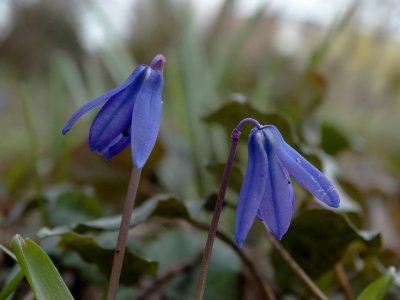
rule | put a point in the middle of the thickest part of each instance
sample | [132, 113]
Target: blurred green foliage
[335, 98]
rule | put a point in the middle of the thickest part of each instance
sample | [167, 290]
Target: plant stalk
[343, 281]
[314, 289]
[264, 285]
[219, 204]
[123, 234]
[217, 213]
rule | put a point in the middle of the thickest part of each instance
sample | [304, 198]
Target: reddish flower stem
[218, 206]
[123, 234]
[292, 264]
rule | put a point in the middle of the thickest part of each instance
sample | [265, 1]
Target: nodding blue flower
[267, 191]
[130, 115]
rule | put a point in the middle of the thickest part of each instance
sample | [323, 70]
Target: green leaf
[164, 206]
[317, 240]
[236, 178]
[40, 271]
[71, 205]
[333, 140]
[231, 113]
[13, 279]
[377, 289]
[134, 266]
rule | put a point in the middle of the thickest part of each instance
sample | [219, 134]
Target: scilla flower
[267, 191]
[130, 115]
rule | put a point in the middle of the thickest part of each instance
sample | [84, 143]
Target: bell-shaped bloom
[130, 114]
[267, 191]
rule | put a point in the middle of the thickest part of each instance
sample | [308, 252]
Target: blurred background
[327, 73]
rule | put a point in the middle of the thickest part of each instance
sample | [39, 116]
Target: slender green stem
[34, 152]
[265, 289]
[295, 267]
[8, 252]
[123, 234]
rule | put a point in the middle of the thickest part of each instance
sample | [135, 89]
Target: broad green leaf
[40, 271]
[134, 266]
[236, 178]
[71, 205]
[317, 239]
[164, 206]
[377, 289]
[333, 140]
[231, 113]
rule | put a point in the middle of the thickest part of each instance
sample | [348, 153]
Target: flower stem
[265, 288]
[164, 276]
[248, 121]
[343, 281]
[123, 233]
[217, 212]
[295, 267]
[218, 206]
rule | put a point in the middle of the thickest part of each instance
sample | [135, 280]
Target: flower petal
[115, 116]
[118, 147]
[146, 115]
[277, 204]
[252, 188]
[114, 142]
[101, 99]
[305, 173]
[81, 111]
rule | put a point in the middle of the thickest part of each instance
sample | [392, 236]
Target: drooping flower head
[130, 115]
[267, 191]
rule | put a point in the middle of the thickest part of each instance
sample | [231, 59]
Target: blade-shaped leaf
[40, 271]
[13, 279]
[377, 289]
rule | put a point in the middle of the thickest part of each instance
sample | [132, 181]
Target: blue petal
[114, 142]
[101, 99]
[304, 172]
[115, 116]
[118, 147]
[81, 111]
[146, 115]
[277, 204]
[253, 187]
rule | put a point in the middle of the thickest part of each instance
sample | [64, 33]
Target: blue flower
[130, 115]
[267, 191]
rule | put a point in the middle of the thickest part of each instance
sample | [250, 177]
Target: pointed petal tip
[239, 241]
[65, 130]
[330, 197]
[279, 236]
[158, 62]
[335, 200]
[277, 233]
